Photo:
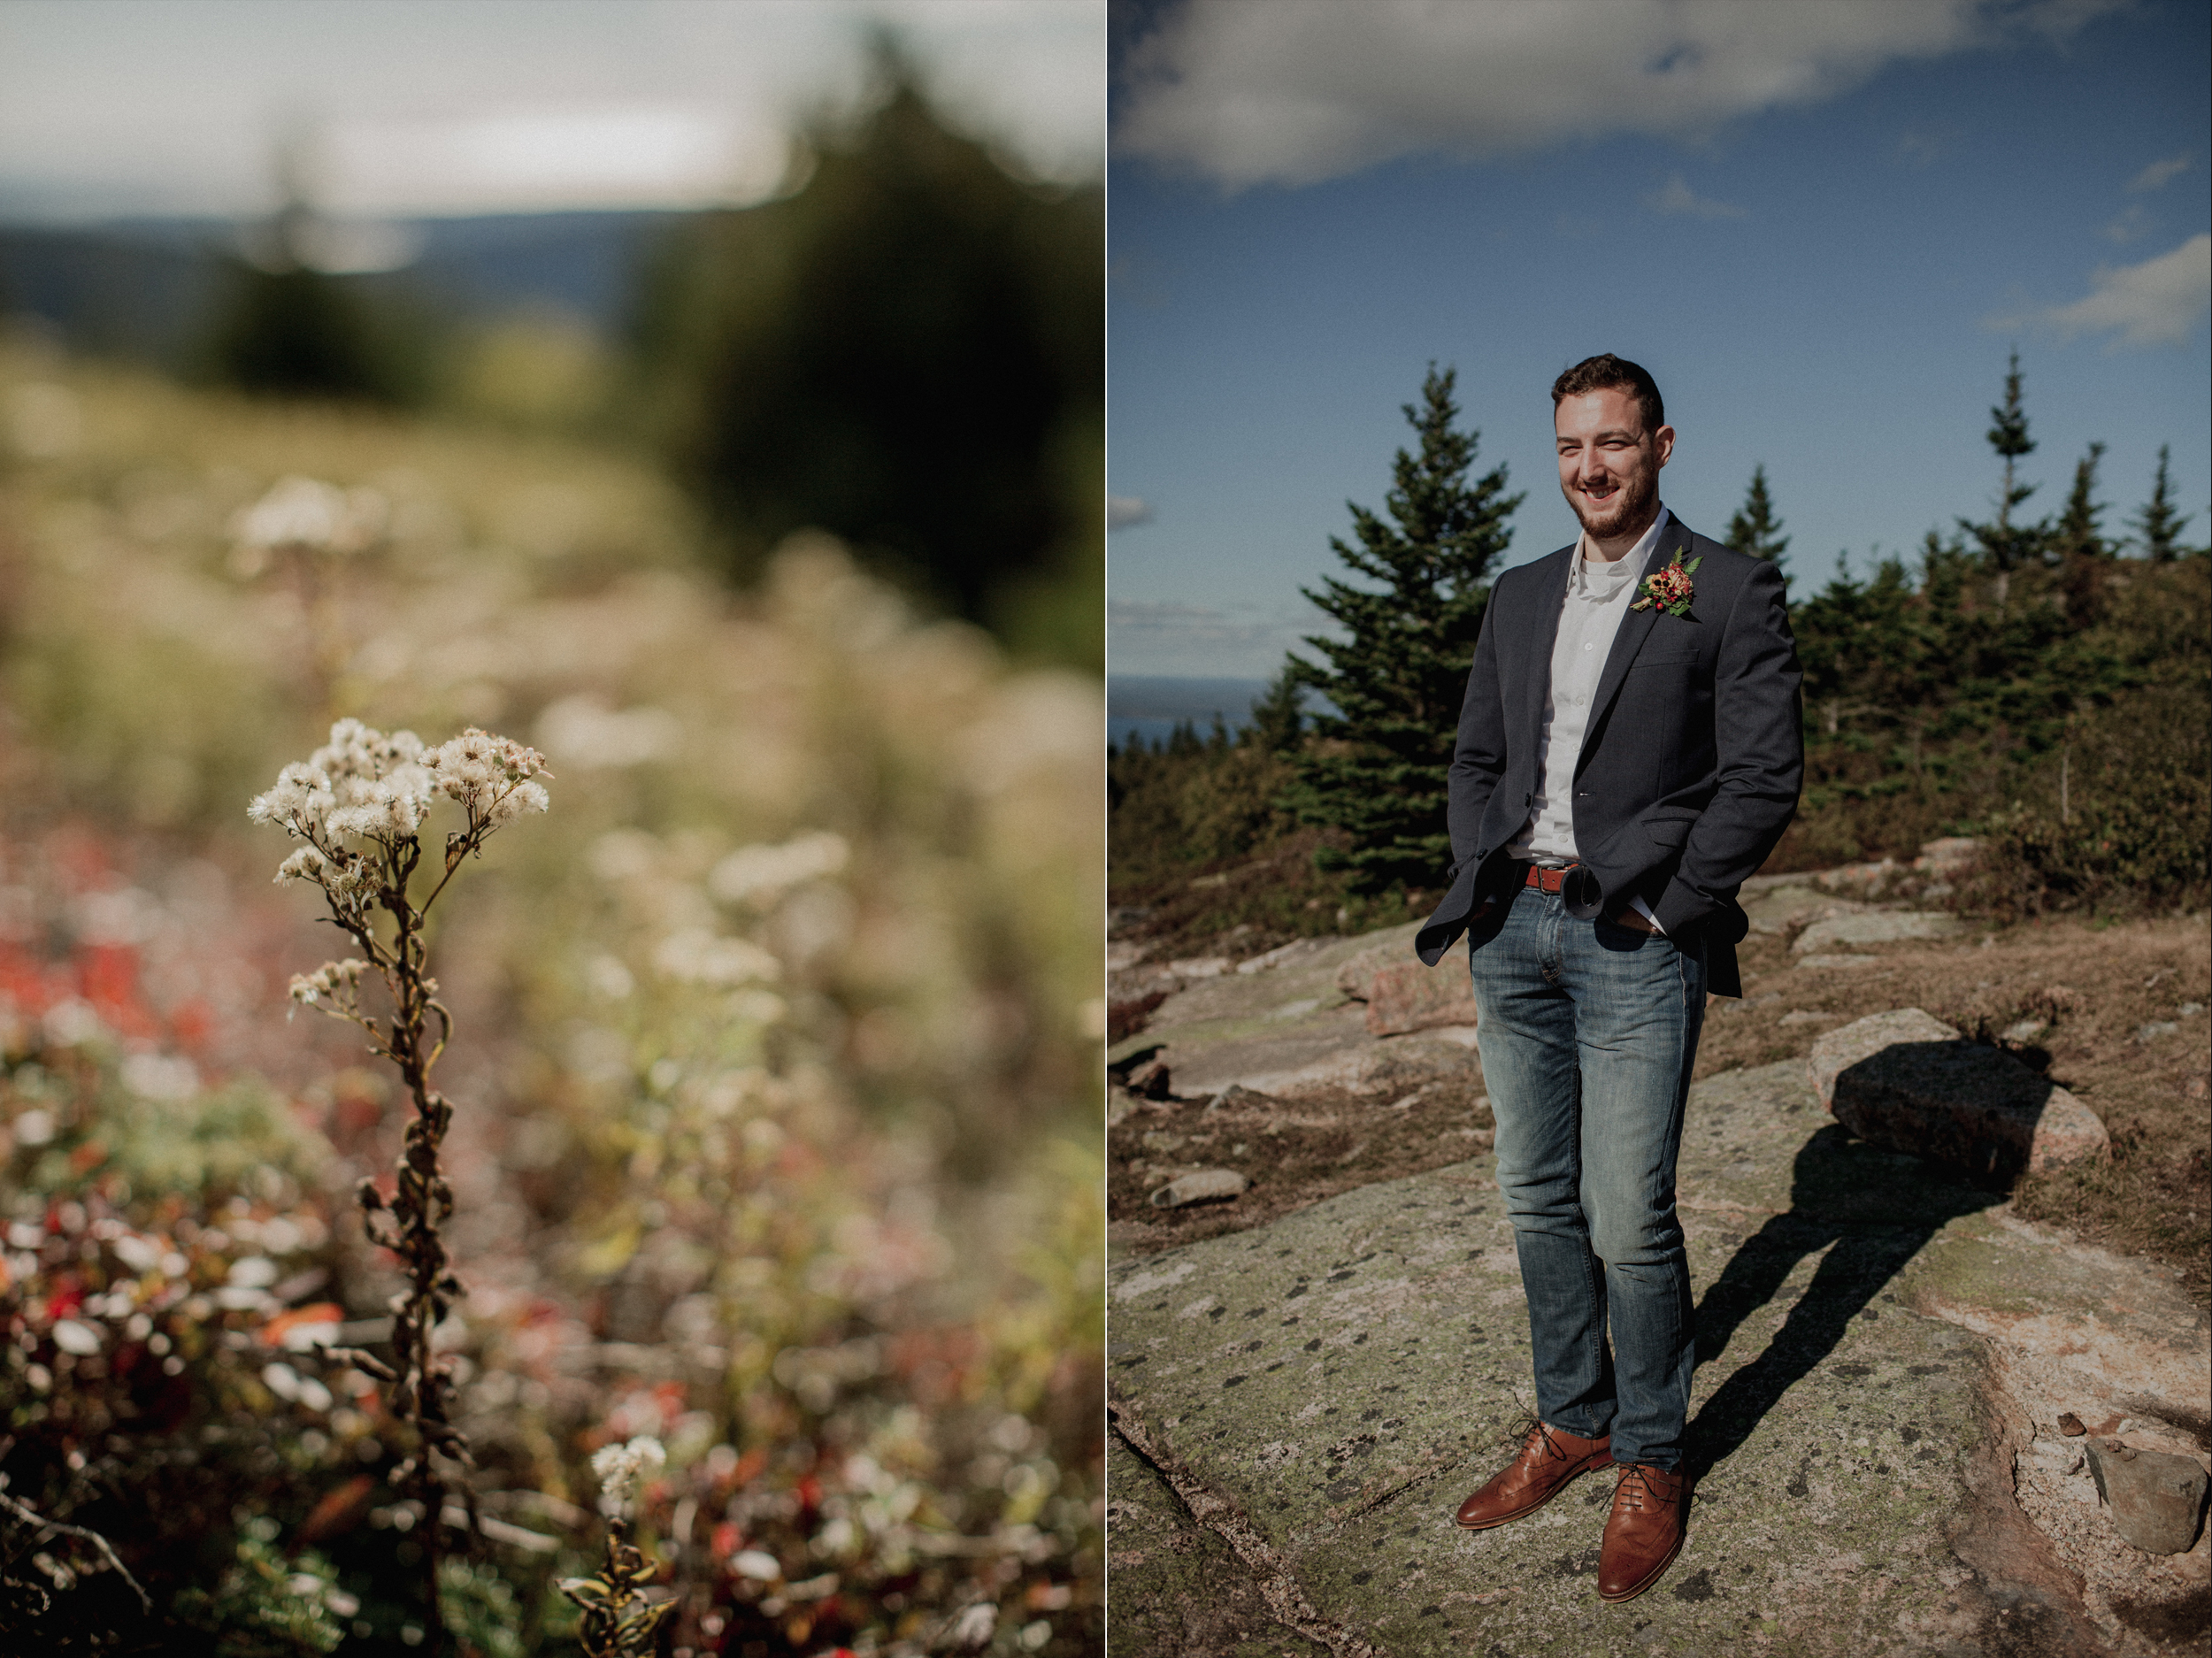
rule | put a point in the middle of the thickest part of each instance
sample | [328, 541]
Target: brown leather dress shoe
[1644, 1532]
[1549, 1457]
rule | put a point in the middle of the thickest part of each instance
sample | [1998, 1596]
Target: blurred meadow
[774, 1075]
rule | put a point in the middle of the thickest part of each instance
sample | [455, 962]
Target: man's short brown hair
[1605, 370]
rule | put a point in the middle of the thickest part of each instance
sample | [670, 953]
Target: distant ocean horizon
[1149, 706]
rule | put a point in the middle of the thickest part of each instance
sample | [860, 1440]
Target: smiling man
[1629, 751]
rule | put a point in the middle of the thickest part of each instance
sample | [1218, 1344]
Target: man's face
[1609, 465]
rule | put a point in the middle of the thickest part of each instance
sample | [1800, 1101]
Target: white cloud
[2157, 173]
[548, 160]
[2156, 302]
[1679, 199]
[1124, 510]
[2131, 226]
[1296, 91]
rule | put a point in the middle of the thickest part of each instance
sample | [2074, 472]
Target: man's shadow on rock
[1878, 1209]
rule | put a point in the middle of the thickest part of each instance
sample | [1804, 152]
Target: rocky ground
[1901, 1379]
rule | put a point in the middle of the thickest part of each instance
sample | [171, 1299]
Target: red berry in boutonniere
[1669, 587]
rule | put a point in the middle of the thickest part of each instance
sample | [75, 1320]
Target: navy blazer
[1691, 763]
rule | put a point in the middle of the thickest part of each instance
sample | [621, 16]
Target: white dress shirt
[1598, 596]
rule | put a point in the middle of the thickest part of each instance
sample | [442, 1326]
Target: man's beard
[1631, 504]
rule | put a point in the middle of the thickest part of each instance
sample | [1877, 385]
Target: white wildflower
[160, 1076]
[337, 982]
[350, 883]
[620, 1468]
[483, 772]
[75, 1338]
[356, 750]
[696, 954]
[301, 797]
[306, 865]
[521, 798]
[760, 873]
[307, 515]
[383, 808]
[585, 732]
[972, 1630]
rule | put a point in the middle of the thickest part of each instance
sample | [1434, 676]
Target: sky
[397, 109]
[1821, 227]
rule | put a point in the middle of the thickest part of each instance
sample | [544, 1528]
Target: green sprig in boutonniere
[1669, 587]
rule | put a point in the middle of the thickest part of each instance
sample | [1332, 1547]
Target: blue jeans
[1587, 1031]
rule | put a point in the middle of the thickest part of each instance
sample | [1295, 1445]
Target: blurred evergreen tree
[1397, 679]
[296, 332]
[908, 353]
[2158, 526]
[1754, 529]
[283, 328]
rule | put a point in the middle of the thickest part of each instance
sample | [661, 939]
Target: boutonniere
[1669, 587]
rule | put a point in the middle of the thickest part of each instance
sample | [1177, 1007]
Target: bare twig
[31, 1516]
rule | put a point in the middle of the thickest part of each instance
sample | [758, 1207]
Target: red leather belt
[1550, 880]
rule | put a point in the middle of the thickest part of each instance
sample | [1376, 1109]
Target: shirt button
[1589, 645]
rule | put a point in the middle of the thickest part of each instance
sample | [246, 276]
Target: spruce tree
[1754, 529]
[1397, 678]
[2004, 548]
[2158, 526]
[2079, 530]
[2009, 436]
[1278, 713]
[2079, 541]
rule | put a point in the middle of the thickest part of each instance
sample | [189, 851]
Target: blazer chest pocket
[1677, 660]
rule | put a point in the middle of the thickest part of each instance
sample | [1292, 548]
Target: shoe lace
[1529, 1426]
[1636, 1490]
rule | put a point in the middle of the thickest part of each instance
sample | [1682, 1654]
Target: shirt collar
[1609, 577]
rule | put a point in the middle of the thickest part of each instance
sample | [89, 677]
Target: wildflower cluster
[338, 983]
[375, 788]
[620, 1468]
[360, 803]
[152, 1358]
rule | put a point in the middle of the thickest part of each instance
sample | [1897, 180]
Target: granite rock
[1778, 908]
[1198, 1186]
[1876, 927]
[1356, 976]
[1907, 1081]
[2156, 1498]
[1406, 996]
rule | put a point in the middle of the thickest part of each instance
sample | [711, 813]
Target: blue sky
[1821, 229]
